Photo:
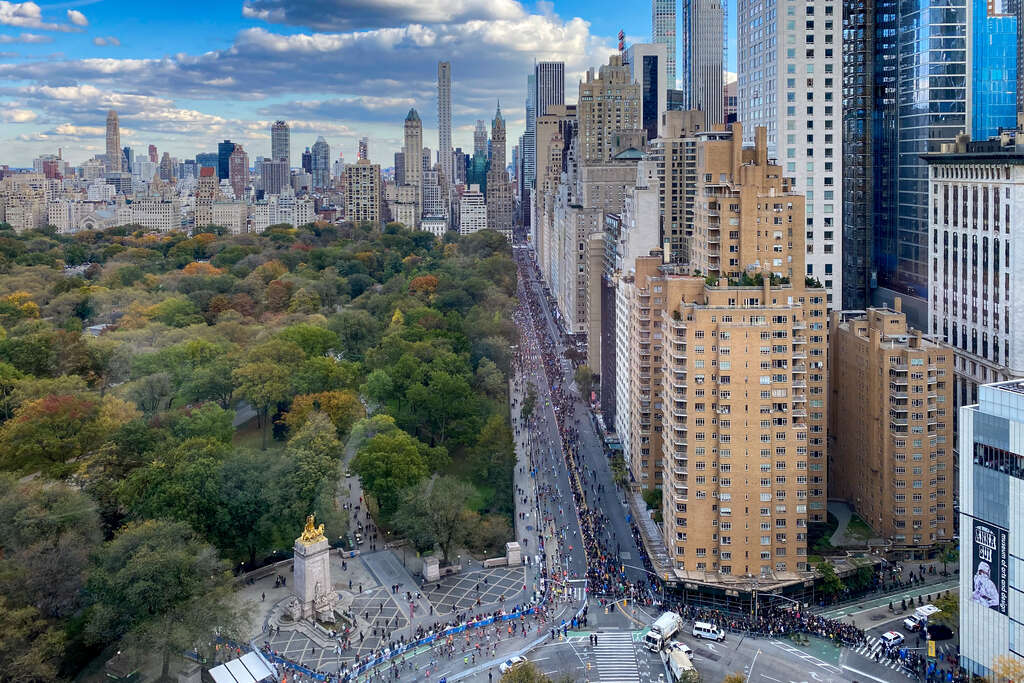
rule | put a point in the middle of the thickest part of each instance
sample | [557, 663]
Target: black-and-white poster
[991, 556]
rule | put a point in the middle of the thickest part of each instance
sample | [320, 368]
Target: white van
[702, 629]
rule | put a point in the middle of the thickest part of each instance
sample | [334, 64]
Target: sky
[185, 75]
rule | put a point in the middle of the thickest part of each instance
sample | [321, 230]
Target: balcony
[800, 367]
[799, 325]
[799, 339]
[799, 355]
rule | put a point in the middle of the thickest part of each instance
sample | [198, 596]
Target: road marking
[752, 662]
[769, 677]
[861, 673]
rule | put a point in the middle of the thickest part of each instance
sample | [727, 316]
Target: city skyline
[183, 91]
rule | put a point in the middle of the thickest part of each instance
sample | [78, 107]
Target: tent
[249, 668]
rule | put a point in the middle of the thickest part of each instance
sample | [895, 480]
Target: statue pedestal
[431, 570]
[312, 581]
[513, 554]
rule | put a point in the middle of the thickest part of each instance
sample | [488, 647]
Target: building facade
[281, 143]
[113, 142]
[974, 264]
[238, 171]
[891, 429]
[472, 211]
[675, 153]
[790, 82]
[701, 63]
[361, 187]
[444, 120]
[646, 62]
[608, 103]
[320, 163]
[992, 530]
[663, 30]
[413, 155]
[224, 150]
[992, 66]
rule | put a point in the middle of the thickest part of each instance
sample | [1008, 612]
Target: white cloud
[77, 18]
[344, 15]
[26, 38]
[30, 15]
[17, 115]
[106, 40]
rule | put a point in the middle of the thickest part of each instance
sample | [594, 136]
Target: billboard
[991, 556]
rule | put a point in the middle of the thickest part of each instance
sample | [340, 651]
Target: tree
[312, 339]
[584, 377]
[734, 678]
[31, 647]
[388, 463]
[950, 554]
[436, 509]
[831, 584]
[489, 379]
[444, 399]
[529, 403]
[950, 606]
[342, 407]
[206, 421]
[525, 673]
[1008, 667]
[309, 479]
[159, 590]
[263, 384]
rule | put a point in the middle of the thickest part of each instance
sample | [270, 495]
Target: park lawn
[249, 435]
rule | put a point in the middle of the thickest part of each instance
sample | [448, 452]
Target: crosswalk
[871, 647]
[616, 658]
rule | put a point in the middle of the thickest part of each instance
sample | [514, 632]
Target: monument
[314, 593]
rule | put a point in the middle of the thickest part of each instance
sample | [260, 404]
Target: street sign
[931, 648]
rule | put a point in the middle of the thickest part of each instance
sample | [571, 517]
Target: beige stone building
[554, 132]
[608, 103]
[360, 184]
[743, 400]
[746, 218]
[891, 427]
[675, 152]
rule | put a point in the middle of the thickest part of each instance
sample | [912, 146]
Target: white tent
[249, 668]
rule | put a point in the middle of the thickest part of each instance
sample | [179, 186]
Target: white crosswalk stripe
[616, 658]
[872, 646]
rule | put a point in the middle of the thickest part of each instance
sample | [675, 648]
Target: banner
[991, 556]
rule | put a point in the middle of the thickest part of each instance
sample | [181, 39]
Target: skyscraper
[364, 149]
[663, 30]
[646, 63]
[550, 80]
[702, 58]
[480, 138]
[224, 150]
[307, 161]
[413, 151]
[529, 147]
[238, 165]
[444, 119]
[152, 154]
[275, 176]
[609, 102]
[280, 142]
[499, 189]
[320, 167]
[892, 117]
[991, 66]
[113, 142]
[797, 100]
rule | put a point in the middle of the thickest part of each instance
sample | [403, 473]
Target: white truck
[667, 625]
[920, 617]
[678, 659]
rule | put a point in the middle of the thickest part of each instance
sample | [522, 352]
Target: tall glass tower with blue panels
[992, 60]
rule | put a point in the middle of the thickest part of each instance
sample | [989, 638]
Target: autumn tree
[342, 407]
[389, 463]
[435, 510]
[263, 384]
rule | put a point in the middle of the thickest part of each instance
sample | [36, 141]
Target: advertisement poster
[991, 555]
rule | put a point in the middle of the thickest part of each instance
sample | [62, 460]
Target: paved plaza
[498, 587]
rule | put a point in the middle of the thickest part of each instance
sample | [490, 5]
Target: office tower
[529, 145]
[472, 211]
[675, 154]
[364, 148]
[307, 161]
[975, 251]
[280, 142]
[499, 189]
[550, 81]
[480, 138]
[426, 162]
[1020, 59]
[663, 30]
[891, 428]
[730, 105]
[675, 100]
[991, 66]
[166, 167]
[224, 150]
[152, 154]
[891, 118]
[608, 103]
[991, 524]
[702, 58]
[239, 171]
[792, 86]
[113, 142]
[320, 164]
[646, 62]
[413, 162]
[204, 159]
[127, 159]
[360, 185]
[206, 192]
[276, 176]
[444, 119]
[400, 168]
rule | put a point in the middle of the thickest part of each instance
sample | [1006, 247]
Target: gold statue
[312, 534]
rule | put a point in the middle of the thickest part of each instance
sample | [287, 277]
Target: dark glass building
[224, 150]
[904, 95]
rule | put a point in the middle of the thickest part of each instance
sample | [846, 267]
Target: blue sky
[187, 74]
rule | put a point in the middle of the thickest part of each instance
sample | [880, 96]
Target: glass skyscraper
[905, 94]
[992, 56]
